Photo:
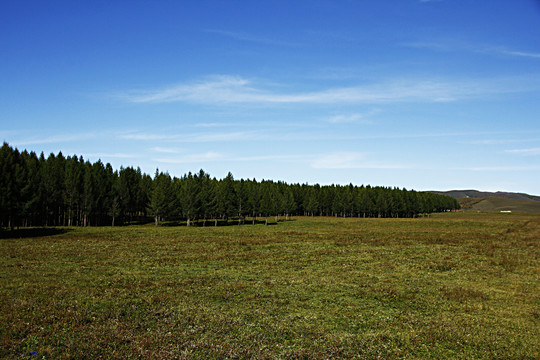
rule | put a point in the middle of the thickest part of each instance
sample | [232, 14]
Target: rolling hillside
[458, 194]
[494, 201]
[502, 204]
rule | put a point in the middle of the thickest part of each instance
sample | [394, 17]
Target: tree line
[69, 191]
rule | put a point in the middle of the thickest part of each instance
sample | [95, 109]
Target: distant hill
[458, 194]
[502, 204]
[494, 201]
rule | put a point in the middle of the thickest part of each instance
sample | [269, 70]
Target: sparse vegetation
[455, 285]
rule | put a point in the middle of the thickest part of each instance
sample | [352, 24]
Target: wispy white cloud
[225, 88]
[268, 157]
[453, 45]
[234, 89]
[350, 160]
[520, 53]
[501, 168]
[217, 124]
[168, 142]
[214, 156]
[54, 139]
[166, 150]
[498, 141]
[353, 118]
[531, 151]
[189, 138]
[338, 160]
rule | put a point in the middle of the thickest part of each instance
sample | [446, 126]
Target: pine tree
[290, 204]
[226, 197]
[253, 200]
[114, 195]
[161, 198]
[241, 190]
[190, 197]
[206, 195]
[10, 169]
[30, 190]
[312, 206]
[265, 205]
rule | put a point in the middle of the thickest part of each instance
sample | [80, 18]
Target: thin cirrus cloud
[499, 142]
[172, 139]
[502, 168]
[191, 138]
[531, 151]
[341, 160]
[362, 118]
[234, 89]
[457, 45]
[214, 156]
[54, 139]
[166, 150]
[521, 53]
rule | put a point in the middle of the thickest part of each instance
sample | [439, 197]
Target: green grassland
[454, 285]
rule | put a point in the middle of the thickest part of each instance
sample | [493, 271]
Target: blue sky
[422, 94]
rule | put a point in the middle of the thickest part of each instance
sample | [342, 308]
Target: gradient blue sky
[422, 94]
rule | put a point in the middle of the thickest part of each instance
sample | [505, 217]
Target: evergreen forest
[69, 191]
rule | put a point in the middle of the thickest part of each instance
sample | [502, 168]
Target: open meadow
[454, 285]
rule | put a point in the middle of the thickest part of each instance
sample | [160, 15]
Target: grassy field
[455, 285]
